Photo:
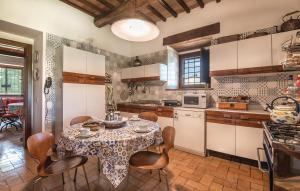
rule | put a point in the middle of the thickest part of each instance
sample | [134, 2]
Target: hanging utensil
[291, 23]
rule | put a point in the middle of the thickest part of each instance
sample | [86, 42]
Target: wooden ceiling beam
[145, 17]
[106, 4]
[184, 6]
[200, 3]
[192, 34]
[89, 5]
[156, 13]
[127, 9]
[165, 5]
[79, 8]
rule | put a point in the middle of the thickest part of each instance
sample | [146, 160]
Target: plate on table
[91, 124]
[134, 119]
[85, 136]
[141, 130]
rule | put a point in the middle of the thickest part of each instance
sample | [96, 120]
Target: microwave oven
[195, 100]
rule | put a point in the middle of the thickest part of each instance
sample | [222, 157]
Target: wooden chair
[8, 119]
[151, 116]
[155, 161]
[39, 145]
[80, 119]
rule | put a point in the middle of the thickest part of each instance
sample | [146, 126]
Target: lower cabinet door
[221, 138]
[165, 121]
[248, 139]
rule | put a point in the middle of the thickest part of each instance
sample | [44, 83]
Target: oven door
[266, 167]
[190, 101]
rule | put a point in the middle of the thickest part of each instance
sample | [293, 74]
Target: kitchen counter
[250, 111]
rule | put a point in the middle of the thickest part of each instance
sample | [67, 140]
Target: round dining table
[114, 147]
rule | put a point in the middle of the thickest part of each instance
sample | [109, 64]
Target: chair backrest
[2, 107]
[80, 119]
[38, 146]
[168, 135]
[151, 116]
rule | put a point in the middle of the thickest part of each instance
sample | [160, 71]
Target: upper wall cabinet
[74, 60]
[83, 62]
[95, 64]
[223, 57]
[277, 40]
[145, 73]
[255, 52]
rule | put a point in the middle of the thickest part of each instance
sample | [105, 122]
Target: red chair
[8, 119]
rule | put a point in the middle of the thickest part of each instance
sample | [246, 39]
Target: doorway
[15, 91]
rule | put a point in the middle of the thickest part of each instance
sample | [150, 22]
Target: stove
[282, 149]
[282, 133]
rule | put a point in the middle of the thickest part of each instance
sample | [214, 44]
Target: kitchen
[216, 80]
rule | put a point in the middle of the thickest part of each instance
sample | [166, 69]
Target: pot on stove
[284, 113]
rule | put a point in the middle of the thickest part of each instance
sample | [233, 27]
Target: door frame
[27, 83]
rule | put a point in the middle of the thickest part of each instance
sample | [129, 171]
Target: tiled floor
[186, 172]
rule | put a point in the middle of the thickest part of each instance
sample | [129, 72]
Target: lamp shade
[134, 29]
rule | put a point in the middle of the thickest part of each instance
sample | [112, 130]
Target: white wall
[56, 17]
[235, 16]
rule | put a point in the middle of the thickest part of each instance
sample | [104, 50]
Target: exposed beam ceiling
[156, 13]
[108, 11]
[164, 4]
[201, 3]
[184, 6]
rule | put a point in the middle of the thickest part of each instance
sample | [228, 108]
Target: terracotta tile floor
[186, 172]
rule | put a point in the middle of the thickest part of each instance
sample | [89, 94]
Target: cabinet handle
[188, 115]
[244, 117]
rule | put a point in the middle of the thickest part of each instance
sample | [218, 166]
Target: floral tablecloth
[113, 146]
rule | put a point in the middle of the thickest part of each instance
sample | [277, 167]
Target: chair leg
[35, 182]
[159, 176]
[63, 178]
[99, 165]
[86, 177]
[75, 175]
[166, 175]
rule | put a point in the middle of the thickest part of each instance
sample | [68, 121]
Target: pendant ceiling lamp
[135, 29]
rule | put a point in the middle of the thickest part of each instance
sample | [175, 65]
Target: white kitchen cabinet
[126, 73]
[152, 70]
[224, 56]
[255, 52]
[74, 101]
[277, 40]
[165, 121]
[95, 64]
[248, 139]
[79, 99]
[221, 138]
[74, 60]
[138, 72]
[95, 100]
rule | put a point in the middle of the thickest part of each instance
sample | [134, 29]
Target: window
[194, 69]
[10, 81]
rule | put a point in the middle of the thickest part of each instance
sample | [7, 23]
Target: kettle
[284, 114]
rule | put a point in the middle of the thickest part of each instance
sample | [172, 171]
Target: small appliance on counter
[195, 100]
[172, 103]
[236, 103]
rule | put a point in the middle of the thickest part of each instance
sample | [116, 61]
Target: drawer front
[251, 120]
